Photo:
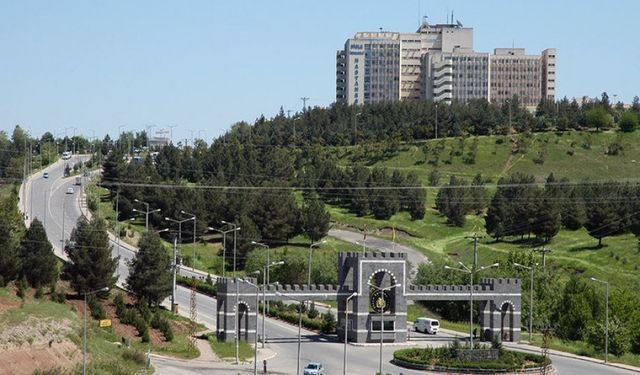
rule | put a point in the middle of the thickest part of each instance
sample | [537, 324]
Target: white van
[427, 325]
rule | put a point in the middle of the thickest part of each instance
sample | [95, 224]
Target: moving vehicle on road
[45, 175]
[69, 190]
[66, 155]
[314, 368]
[426, 325]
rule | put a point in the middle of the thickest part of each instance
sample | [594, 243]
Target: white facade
[438, 63]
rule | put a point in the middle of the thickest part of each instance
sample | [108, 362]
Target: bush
[162, 324]
[141, 326]
[97, 311]
[118, 302]
[313, 313]
[135, 355]
[201, 286]
[145, 336]
[328, 323]
[145, 311]
[39, 293]
[22, 288]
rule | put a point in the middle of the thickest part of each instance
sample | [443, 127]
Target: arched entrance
[506, 321]
[243, 321]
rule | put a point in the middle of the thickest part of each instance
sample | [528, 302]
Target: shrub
[118, 302]
[143, 308]
[328, 323]
[141, 326]
[313, 313]
[135, 355]
[145, 336]
[22, 288]
[39, 293]
[162, 324]
[97, 311]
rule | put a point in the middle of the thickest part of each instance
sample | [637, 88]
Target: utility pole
[544, 252]
[304, 103]
[436, 120]
[171, 132]
[175, 268]
[475, 239]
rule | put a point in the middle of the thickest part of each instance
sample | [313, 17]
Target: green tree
[414, 198]
[150, 270]
[39, 263]
[90, 265]
[628, 121]
[599, 118]
[602, 220]
[315, 218]
[11, 230]
[577, 309]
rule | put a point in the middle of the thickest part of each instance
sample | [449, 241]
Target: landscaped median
[480, 360]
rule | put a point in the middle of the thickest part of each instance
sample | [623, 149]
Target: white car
[45, 175]
[69, 190]
[314, 368]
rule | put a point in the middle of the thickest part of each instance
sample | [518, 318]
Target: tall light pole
[311, 252]
[179, 226]
[149, 127]
[382, 290]
[606, 312]
[471, 272]
[84, 346]
[234, 226]
[66, 138]
[530, 297]
[255, 342]
[146, 213]
[436, 120]
[224, 245]
[346, 332]
[301, 302]
[268, 258]
[193, 216]
[355, 129]
[264, 297]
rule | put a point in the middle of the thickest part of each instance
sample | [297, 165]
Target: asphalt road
[53, 206]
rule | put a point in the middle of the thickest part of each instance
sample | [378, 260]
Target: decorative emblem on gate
[380, 300]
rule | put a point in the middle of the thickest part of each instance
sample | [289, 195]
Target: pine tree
[39, 263]
[315, 219]
[150, 270]
[91, 266]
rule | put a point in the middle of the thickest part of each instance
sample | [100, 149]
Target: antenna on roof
[459, 23]
[452, 17]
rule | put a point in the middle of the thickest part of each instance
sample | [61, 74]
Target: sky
[105, 66]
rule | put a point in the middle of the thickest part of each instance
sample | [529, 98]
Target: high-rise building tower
[438, 63]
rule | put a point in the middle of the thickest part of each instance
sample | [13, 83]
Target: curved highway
[47, 199]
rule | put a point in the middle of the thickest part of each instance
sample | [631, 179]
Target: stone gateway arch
[499, 299]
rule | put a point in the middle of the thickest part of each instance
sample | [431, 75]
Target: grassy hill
[575, 155]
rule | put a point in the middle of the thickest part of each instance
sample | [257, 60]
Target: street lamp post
[255, 342]
[530, 297]
[382, 290]
[193, 261]
[346, 332]
[224, 245]
[301, 302]
[84, 347]
[268, 259]
[471, 272]
[149, 127]
[311, 252]
[264, 297]
[436, 120]
[234, 226]
[146, 213]
[179, 226]
[606, 312]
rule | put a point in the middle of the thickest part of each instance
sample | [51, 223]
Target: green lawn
[561, 154]
[227, 350]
